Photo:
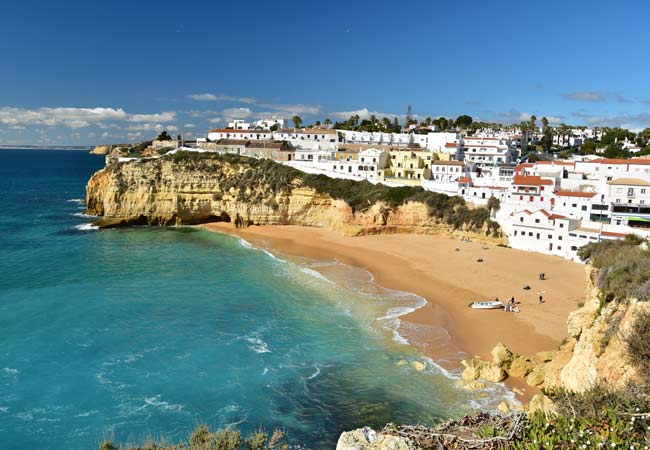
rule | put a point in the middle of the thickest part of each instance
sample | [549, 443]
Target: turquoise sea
[144, 332]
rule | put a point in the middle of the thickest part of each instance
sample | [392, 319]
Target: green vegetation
[359, 195]
[204, 439]
[624, 267]
[638, 344]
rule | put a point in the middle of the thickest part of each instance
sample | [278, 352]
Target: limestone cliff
[107, 149]
[595, 351]
[177, 190]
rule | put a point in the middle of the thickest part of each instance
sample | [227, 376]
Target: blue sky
[80, 72]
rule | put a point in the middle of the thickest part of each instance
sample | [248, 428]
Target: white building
[250, 135]
[630, 202]
[377, 138]
[367, 165]
[268, 123]
[309, 138]
[487, 152]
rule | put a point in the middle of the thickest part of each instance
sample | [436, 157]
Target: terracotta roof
[613, 234]
[530, 180]
[522, 166]
[451, 144]
[243, 142]
[556, 216]
[464, 180]
[575, 194]
[621, 161]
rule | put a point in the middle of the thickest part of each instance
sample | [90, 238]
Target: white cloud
[584, 96]
[515, 116]
[290, 110]
[75, 117]
[365, 113]
[207, 97]
[633, 122]
[189, 125]
[166, 116]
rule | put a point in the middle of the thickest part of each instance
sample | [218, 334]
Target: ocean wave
[4, 409]
[79, 201]
[315, 274]
[84, 215]
[156, 402]
[315, 374]
[10, 372]
[244, 243]
[86, 227]
[257, 344]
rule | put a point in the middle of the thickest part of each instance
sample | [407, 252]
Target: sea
[146, 332]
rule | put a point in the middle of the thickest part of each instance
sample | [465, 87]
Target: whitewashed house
[249, 135]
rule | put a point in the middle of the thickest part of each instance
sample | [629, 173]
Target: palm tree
[544, 124]
[327, 122]
[523, 126]
[297, 121]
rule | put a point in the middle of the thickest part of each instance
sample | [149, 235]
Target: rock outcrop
[172, 191]
[368, 439]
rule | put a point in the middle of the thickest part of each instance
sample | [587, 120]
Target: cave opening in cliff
[223, 217]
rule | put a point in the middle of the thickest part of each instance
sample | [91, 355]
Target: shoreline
[430, 267]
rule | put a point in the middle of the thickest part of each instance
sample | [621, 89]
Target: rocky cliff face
[595, 351]
[170, 191]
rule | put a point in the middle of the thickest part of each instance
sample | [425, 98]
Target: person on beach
[541, 299]
[512, 300]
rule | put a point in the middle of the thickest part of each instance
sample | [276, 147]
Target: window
[530, 233]
[561, 225]
[536, 220]
[643, 191]
[559, 238]
[537, 235]
[521, 219]
[515, 232]
[584, 207]
[559, 248]
[550, 236]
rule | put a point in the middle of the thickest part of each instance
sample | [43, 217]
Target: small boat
[494, 304]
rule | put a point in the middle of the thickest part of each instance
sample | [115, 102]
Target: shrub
[638, 344]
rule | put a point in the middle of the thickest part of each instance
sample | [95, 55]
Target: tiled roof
[464, 180]
[575, 194]
[530, 180]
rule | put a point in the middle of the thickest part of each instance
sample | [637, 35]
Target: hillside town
[551, 189]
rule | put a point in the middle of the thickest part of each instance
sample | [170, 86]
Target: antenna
[409, 114]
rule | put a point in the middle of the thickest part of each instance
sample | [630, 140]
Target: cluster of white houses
[552, 207]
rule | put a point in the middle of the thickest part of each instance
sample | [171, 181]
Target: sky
[83, 73]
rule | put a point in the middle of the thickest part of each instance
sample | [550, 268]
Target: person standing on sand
[541, 300]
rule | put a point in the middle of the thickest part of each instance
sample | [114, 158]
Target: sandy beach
[431, 267]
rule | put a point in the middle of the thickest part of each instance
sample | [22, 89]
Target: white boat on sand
[494, 304]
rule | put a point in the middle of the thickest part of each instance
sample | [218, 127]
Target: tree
[523, 126]
[386, 123]
[533, 119]
[297, 121]
[588, 147]
[274, 127]
[164, 136]
[463, 121]
[327, 122]
[544, 123]
[396, 127]
[547, 139]
[317, 123]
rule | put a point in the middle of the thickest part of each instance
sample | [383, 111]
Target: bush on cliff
[359, 195]
[202, 438]
[624, 267]
[638, 345]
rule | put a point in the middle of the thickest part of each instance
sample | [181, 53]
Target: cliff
[107, 149]
[197, 188]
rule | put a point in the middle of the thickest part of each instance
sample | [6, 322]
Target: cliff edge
[193, 188]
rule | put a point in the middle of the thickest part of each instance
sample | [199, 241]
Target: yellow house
[408, 166]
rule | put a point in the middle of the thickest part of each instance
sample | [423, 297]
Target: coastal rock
[540, 402]
[501, 355]
[521, 366]
[472, 385]
[368, 439]
[472, 369]
[418, 365]
[536, 377]
[543, 357]
[492, 372]
[503, 407]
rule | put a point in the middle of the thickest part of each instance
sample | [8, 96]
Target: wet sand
[430, 266]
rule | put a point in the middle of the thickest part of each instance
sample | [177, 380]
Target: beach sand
[431, 267]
